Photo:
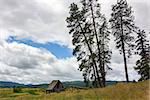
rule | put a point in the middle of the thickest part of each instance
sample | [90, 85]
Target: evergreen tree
[90, 38]
[105, 52]
[100, 36]
[143, 64]
[82, 41]
[122, 25]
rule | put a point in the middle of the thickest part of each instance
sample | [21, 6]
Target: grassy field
[121, 91]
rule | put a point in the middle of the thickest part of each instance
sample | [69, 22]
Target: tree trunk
[94, 68]
[97, 44]
[124, 54]
[125, 62]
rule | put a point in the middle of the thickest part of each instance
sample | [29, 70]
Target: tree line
[91, 32]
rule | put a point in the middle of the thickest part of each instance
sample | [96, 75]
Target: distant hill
[82, 84]
[4, 84]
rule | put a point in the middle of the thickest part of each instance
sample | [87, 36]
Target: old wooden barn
[55, 86]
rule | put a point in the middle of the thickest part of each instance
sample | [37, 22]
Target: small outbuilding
[55, 86]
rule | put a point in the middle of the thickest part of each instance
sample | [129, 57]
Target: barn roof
[53, 84]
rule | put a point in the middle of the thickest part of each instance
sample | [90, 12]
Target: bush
[17, 90]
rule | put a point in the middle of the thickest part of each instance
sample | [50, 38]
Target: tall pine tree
[143, 64]
[105, 51]
[82, 41]
[100, 36]
[90, 38]
[122, 25]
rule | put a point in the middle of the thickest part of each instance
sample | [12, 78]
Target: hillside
[4, 84]
[120, 91]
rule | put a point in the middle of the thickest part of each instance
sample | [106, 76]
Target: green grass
[121, 91]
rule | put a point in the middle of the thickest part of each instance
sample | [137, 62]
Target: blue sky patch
[56, 49]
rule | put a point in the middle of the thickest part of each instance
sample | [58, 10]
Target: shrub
[17, 90]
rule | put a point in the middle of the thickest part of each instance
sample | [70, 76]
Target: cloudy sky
[35, 46]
